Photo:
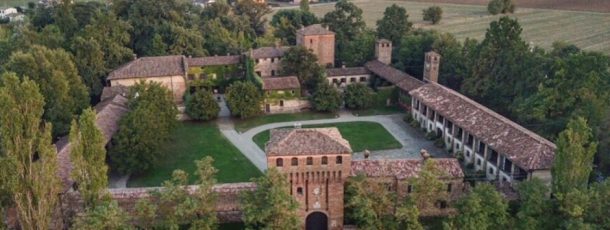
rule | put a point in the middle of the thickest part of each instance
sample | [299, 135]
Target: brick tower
[383, 51]
[317, 163]
[321, 41]
[431, 66]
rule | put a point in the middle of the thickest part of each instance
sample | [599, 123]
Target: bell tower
[383, 51]
[431, 66]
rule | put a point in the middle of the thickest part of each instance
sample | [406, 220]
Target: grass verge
[361, 135]
[192, 141]
[246, 124]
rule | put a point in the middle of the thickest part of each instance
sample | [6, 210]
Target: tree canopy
[244, 99]
[202, 105]
[394, 25]
[326, 98]
[358, 96]
[303, 63]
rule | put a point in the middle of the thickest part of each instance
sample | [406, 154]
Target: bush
[358, 96]
[326, 98]
[202, 106]
[501, 6]
[244, 99]
[433, 14]
[431, 136]
[414, 123]
[440, 143]
[408, 118]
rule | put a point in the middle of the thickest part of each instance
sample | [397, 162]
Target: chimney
[432, 66]
[424, 154]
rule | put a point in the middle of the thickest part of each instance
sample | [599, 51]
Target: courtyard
[192, 141]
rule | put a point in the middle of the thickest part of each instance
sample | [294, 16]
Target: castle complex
[317, 162]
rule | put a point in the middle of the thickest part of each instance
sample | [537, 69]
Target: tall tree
[55, 72]
[255, 12]
[597, 212]
[359, 50]
[88, 156]
[536, 209]
[433, 14]
[484, 208]
[394, 25]
[89, 59]
[303, 63]
[113, 37]
[408, 216]
[428, 187]
[270, 206]
[29, 162]
[346, 21]
[573, 205]
[106, 215]
[144, 129]
[369, 203]
[574, 159]
[244, 99]
[326, 98]
[287, 22]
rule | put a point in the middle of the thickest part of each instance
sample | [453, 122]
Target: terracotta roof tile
[401, 79]
[404, 168]
[279, 83]
[214, 60]
[346, 71]
[268, 52]
[306, 142]
[150, 67]
[523, 147]
[315, 29]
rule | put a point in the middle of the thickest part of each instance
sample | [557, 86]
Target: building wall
[294, 105]
[267, 67]
[343, 81]
[322, 46]
[176, 84]
[317, 187]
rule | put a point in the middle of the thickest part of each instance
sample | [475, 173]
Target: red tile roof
[279, 83]
[346, 71]
[214, 60]
[307, 142]
[404, 168]
[401, 79]
[315, 29]
[523, 147]
[150, 67]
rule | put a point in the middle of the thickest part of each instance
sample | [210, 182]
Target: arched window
[324, 160]
[310, 161]
[294, 161]
[339, 160]
[279, 162]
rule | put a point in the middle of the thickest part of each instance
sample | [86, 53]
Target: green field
[588, 30]
[361, 136]
[246, 124]
[192, 141]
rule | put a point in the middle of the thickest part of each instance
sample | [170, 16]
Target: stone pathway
[412, 140]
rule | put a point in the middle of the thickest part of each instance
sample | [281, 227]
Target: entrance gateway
[316, 221]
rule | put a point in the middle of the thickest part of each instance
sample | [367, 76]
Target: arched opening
[316, 221]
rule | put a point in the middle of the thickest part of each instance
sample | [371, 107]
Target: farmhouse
[283, 95]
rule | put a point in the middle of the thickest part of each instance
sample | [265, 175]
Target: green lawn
[246, 124]
[542, 27]
[192, 141]
[361, 135]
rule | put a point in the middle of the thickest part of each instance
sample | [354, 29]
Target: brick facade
[320, 41]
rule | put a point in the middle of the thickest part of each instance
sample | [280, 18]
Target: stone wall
[267, 67]
[289, 106]
[176, 84]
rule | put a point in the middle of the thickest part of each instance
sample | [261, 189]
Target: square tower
[383, 51]
[316, 162]
[431, 66]
[321, 41]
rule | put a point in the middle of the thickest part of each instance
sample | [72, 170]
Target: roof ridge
[496, 115]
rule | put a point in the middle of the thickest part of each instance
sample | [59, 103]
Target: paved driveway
[412, 140]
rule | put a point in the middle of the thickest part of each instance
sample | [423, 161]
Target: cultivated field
[588, 30]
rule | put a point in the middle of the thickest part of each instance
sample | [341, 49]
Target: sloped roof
[347, 71]
[111, 92]
[109, 112]
[150, 67]
[404, 168]
[523, 147]
[315, 29]
[214, 60]
[306, 142]
[279, 83]
[401, 79]
[269, 52]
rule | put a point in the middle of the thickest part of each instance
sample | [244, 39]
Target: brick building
[317, 162]
[283, 95]
[321, 41]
